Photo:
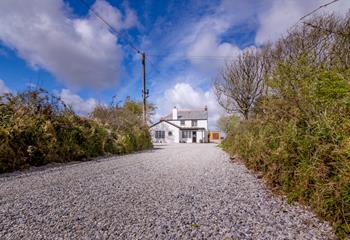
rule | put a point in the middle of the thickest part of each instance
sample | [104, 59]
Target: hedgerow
[298, 132]
[37, 128]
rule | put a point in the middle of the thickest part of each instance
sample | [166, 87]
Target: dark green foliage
[36, 128]
[127, 121]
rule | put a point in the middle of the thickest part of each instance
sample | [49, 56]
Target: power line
[198, 58]
[153, 66]
[133, 46]
[112, 29]
[145, 92]
[313, 11]
[212, 57]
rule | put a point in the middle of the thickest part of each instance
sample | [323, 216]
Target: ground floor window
[186, 134]
[160, 134]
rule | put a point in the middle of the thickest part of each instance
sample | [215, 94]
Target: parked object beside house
[182, 126]
[214, 136]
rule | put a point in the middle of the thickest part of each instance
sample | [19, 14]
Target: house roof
[188, 114]
[193, 128]
[162, 120]
[181, 128]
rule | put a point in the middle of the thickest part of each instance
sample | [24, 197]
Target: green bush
[300, 140]
[37, 128]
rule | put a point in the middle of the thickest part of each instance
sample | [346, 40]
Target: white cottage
[182, 126]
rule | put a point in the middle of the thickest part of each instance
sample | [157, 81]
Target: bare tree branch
[241, 83]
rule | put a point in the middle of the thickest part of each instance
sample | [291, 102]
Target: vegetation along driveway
[179, 191]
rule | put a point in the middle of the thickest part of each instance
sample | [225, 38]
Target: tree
[298, 133]
[122, 116]
[227, 122]
[137, 108]
[241, 83]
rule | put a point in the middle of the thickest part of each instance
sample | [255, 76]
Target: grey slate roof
[188, 115]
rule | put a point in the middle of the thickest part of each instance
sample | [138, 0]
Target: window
[170, 133]
[194, 123]
[160, 134]
[186, 134]
[182, 122]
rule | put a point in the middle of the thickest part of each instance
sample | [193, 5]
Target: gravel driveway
[182, 191]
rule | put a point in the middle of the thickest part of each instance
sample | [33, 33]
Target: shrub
[298, 133]
[37, 128]
[301, 141]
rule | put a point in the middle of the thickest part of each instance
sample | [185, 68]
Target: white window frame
[159, 134]
[186, 134]
[194, 123]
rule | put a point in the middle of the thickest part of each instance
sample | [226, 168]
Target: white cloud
[283, 14]
[78, 51]
[184, 96]
[207, 43]
[130, 19]
[205, 40]
[79, 105]
[112, 15]
[201, 39]
[3, 88]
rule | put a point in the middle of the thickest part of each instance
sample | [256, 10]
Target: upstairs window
[182, 122]
[194, 123]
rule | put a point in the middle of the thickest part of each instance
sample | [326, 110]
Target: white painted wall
[177, 134]
[188, 123]
[203, 124]
[164, 126]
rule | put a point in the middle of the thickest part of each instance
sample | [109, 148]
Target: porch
[193, 135]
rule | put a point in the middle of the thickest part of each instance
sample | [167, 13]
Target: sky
[61, 46]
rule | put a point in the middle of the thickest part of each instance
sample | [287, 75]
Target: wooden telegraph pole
[143, 57]
[144, 91]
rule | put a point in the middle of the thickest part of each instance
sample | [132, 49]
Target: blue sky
[63, 47]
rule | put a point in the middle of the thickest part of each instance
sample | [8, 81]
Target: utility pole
[144, 91]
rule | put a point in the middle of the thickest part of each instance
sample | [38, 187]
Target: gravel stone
[182, 191]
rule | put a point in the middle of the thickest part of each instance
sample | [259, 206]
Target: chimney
[175, 113]
[205, 108]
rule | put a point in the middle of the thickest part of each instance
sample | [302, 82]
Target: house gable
[165, 122]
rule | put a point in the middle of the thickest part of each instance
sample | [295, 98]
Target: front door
[194, 136]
